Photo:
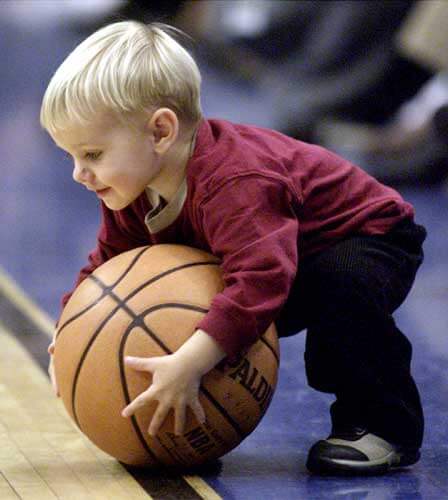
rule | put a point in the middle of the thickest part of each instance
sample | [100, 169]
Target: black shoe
[357, 452]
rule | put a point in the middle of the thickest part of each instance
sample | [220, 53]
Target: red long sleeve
[258, 200]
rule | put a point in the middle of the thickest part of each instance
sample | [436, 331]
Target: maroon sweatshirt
[260, 201]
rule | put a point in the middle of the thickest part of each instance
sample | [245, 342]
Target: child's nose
[81, 174]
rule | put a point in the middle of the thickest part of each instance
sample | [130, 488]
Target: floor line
[12, 291]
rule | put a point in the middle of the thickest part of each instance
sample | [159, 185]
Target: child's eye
[92, 155]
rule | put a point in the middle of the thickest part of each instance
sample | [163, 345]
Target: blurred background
[366, 79]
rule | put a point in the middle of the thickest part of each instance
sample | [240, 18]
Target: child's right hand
[51, 369]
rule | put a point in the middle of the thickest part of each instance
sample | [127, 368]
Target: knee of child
[346, 284]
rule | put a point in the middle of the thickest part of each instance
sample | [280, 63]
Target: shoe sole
[328, 466]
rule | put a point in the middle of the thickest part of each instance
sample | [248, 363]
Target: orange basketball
[147, 302]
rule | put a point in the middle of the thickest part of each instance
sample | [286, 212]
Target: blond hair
[125, 67]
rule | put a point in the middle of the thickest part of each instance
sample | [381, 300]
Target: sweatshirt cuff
[234, 333]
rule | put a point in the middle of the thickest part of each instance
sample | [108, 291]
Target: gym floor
[47, 226]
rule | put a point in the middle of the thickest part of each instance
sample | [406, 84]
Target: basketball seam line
[107, 288]
[130, 266]
[268, 345]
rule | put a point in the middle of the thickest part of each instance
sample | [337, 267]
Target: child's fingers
[55, 387]
[158, 419]
[141, 364]
[179, 420]
[143, 399]
[53, 377]
[198, 411]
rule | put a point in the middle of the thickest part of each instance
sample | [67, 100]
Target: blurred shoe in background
[411, 148]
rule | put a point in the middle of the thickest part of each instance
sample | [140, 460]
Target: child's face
[115, 161]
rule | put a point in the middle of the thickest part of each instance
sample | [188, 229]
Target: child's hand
[174, 385]
[175, 380]
[51, 369]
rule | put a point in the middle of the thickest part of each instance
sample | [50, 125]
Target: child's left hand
[175, 385]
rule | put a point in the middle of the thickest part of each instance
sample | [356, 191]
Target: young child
[306, 239]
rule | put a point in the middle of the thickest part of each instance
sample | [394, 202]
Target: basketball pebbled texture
[147, 302]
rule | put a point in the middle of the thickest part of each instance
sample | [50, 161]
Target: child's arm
[176, 379]
[251, 226]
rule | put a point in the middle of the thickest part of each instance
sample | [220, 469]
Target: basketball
[147, 302]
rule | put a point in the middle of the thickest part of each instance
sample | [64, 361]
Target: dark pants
[345, 297]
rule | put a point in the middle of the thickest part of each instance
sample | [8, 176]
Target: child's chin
[115, 204]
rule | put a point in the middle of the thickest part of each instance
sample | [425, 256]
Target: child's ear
[164, 128]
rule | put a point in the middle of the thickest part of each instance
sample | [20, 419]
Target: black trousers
[345, 297]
